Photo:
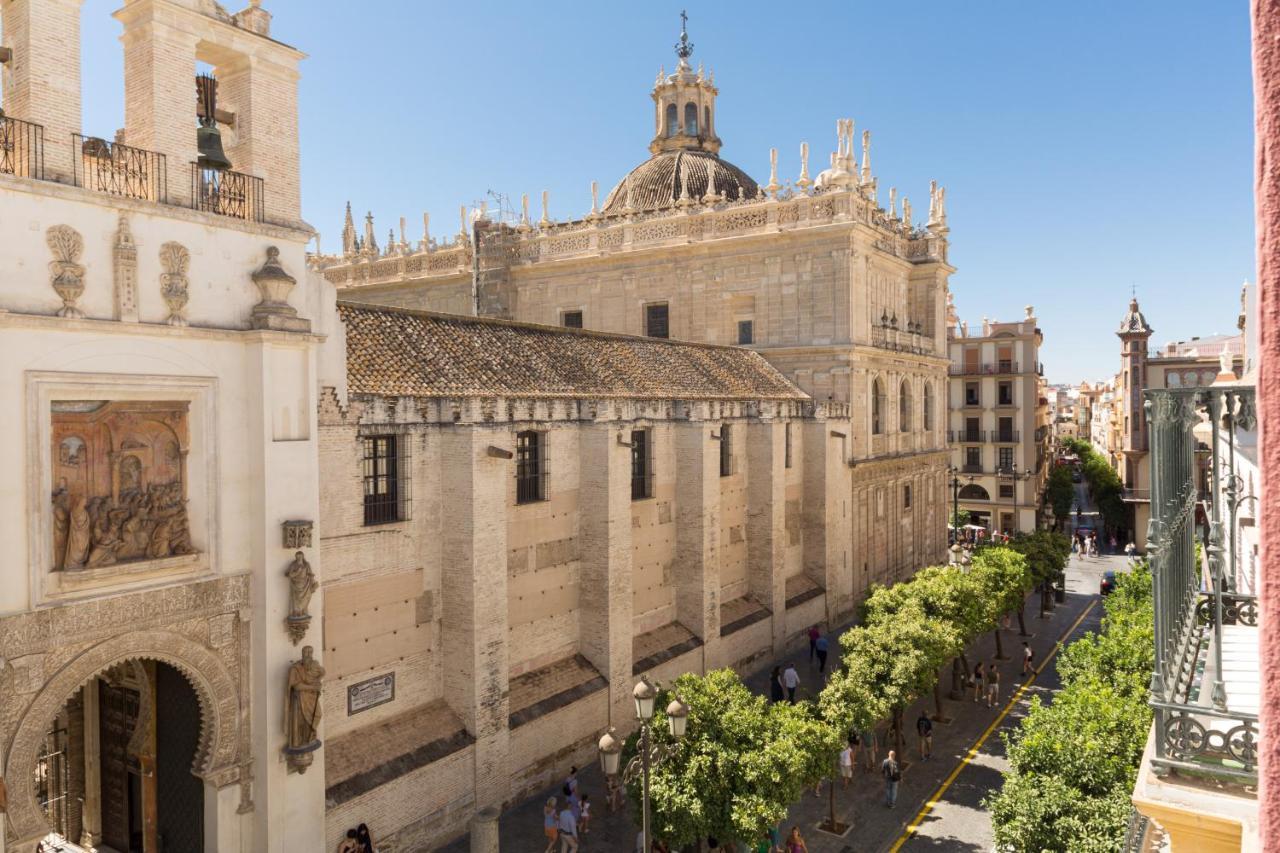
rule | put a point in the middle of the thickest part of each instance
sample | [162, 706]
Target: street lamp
[955, 502]
[650, 755]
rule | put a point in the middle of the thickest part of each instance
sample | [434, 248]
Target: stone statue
[302, 585]
[79, 535]
[302, 710]
[1226, 363]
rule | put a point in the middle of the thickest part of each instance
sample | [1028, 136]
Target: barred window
[641, 465]
[571, 319]
[726, 451]
[906, 496]
[786, 453]
[530, 468]
[746, 332]
[386, 486]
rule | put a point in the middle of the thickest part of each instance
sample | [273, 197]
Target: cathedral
[302, 542]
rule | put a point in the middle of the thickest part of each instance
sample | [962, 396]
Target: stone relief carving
[297, 534]
[68, 275]
[175, 260]
[125, 259]
[302, 711]
[121, 491]
[302, 585]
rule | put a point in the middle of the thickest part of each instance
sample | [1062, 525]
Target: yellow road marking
[973, 750]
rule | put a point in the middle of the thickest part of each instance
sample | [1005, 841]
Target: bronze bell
[208, 137]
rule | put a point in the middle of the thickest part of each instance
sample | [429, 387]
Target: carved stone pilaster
[125, 274]
[67, 274]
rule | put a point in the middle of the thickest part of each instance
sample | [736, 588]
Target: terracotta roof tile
[401, 352]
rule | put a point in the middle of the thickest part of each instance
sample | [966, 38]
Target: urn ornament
[68, 275]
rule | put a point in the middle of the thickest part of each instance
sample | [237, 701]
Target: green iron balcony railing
[1205, 702]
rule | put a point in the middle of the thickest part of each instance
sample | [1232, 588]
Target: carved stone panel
[125, 259]
[120, 488]
[67, 275]
[175, 259]
[297, 534]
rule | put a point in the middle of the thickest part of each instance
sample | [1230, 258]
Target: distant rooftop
[1209, 346]
[401, 352]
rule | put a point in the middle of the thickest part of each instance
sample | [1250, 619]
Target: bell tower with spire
[684, 104]
[1135, 335]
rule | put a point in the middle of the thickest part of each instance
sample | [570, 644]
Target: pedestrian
[568, 830]
[572, 780]
[979, 681]
[1027, 655]
[791, 680]
[613, 794]
[993, 686]
[869, 746]
[584, 819]
[572, 802]
[892, 776]
[550, 824]
[776, 693]
[814, 633]
[775, 840]
[846, 764]
[349, 844]
[364, 839]
[1129, 551]
[821, 646]
[924, 728]
[795, 842]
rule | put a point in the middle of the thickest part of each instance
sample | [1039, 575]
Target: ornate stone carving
[68, 275]
[215, 687]
[297, 534]
[125, 270]
[275, 285]
[120, 487]
[174, 260]
[302, 711]
[302, 585]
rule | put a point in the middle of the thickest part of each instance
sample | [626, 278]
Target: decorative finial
[524, 208]
[595, 198]
[906, 212]
[404, 244]
[893, 202]
[866, 156]
[803, 181]
[462, 222]
[684, 48]
[545, 220]
[772, 188]
[426, 231]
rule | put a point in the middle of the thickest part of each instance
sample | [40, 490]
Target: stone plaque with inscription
[371, 693]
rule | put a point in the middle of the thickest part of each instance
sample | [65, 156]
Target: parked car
[1108, 584]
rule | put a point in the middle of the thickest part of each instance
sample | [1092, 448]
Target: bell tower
[1134, 334]
[684, 104]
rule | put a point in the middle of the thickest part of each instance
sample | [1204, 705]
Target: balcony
[971, 469]
[989, 368]
[21, 148]
[1136, 495]
[967, 436]
[1006, 436]
[912, 339]
[226, 193]
[1201, 765]
[118, 169]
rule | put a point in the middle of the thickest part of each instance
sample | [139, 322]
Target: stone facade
[999, 427]
[156, 438]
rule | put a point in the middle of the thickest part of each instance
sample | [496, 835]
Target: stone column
[473, 593]
[160, 90]
[484, 830]
[605, 608]
[697, 566]
[767, 520]
[91, 812]
[42, 80]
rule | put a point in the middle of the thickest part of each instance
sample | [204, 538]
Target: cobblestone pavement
[873, 826]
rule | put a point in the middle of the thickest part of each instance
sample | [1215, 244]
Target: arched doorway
[155, 783]
[115, 768]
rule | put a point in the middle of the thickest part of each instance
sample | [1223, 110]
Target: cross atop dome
[684, 47]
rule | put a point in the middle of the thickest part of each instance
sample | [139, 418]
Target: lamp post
[955, 502]
[650, 755]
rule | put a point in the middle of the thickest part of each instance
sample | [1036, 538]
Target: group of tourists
[569, 823]
[1085, 543]
[358, 840]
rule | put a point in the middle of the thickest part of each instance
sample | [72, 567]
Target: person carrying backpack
[924, 728]
[892, 772]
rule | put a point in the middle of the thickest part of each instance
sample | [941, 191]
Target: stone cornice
[18, 320]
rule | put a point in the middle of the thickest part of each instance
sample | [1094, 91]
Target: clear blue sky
[1085, 146]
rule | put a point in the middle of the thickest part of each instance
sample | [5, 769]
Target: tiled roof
[400, 352]
[659, 181]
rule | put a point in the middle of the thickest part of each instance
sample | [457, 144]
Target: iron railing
[1006, 436]
[1198, 731]
[968, 436]
[1135, 832]
[119, 169]
[1136, 495]
[989, 368]
[227, 193]
[21, 148]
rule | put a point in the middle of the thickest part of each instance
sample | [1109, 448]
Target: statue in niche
[302, 710]
[121, 492]
[302, 585]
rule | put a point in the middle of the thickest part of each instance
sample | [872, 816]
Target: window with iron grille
[1005, 460]
[1006, 490]
[786, 431]
[530, 467]
[656, 321]
[386, 481]
[973, 457]
[726, 451]
[571, 319]
[745, 332]
[53, 778]
[641, 465]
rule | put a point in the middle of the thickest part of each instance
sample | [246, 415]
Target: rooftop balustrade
[119, 169]
[21, 148]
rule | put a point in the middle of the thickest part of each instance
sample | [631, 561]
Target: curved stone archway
[215, 689]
